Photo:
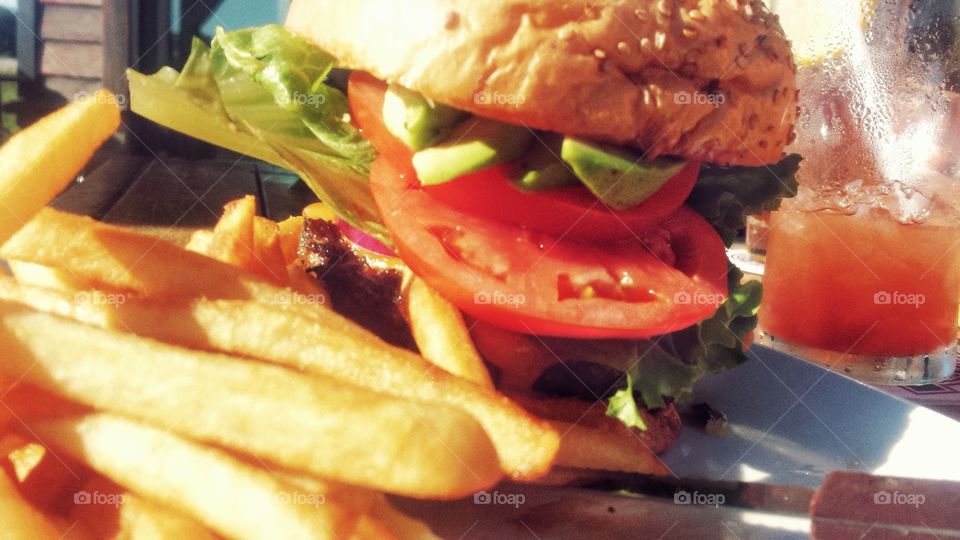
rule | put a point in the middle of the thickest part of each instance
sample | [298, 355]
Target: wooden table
[181, 194]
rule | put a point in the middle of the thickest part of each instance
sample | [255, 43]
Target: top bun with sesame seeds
[708, 80]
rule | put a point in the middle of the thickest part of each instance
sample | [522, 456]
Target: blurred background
[51, 51]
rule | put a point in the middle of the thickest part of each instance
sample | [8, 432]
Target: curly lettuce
[725, 196]
[262, 92]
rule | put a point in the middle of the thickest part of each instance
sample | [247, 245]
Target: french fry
[589, 439]
[249, 242]
[232, 499]
[362, 500]
[269, 260]
[593, 448]
[243, 239]
[525, 445]
[18, 519]
[309, 289]
[440, 333]
[289, 234]
[39, 162]
[318, 425]
[112, 512]
[232, 240]
[119, 259]
[40, 476]
[45, 276]
[269, 252]
[200, 241]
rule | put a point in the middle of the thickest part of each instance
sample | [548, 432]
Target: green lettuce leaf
[659, 368]
[671, 365]
[262, 92]
[725, 196]
[623, 407]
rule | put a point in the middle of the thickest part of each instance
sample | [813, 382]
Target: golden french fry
[361, 500]
[440, 333]
[39, 162]
[232, 240]
[111, 511]
[142, 519]
[229, 497]
[118, 259]
[289, 234]
[41, 477]
[269, 252]
[18, 519]
[245, 240]
[592, 448]
[233, 233]
[45, 276]
[200, 241]
[309, 289]
[309, 423]
[325, 344]
[589, 439]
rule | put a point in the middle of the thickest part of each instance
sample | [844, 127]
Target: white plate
[791, 422]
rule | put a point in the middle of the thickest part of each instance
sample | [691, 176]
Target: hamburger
[567, 173]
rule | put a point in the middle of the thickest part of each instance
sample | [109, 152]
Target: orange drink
[862, 284]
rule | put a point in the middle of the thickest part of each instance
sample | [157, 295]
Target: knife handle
[859, 505]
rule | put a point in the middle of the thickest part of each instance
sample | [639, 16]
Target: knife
[848, 504]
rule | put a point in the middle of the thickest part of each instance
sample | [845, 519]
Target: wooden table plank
[102, 187]
[182, 193]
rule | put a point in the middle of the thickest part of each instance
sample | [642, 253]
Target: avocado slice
[618, 177]
[415, 120]
[541, 168]
[475, 144]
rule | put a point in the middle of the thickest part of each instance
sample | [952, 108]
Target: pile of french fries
[153, 390]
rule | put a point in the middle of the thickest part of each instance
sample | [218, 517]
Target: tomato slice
[571, 212]
[365, 95]
[534, 282]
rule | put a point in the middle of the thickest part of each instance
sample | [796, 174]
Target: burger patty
[366, 295]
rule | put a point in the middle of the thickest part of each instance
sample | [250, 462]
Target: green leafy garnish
[671, 365]
[725, 196]
[262, 92]
[623, 407]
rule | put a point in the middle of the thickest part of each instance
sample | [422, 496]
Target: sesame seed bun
[711, 80]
